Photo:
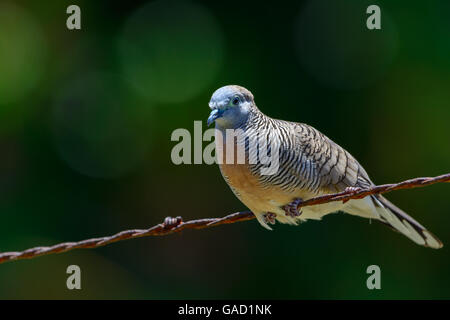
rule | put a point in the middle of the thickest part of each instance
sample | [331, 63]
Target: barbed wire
[172, 225]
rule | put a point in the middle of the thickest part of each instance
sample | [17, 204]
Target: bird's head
[230, 106]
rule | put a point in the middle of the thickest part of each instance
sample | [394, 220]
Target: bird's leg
[291, 208]
[269, 217]
[351, 190]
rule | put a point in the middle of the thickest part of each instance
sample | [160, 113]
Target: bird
[309, 164]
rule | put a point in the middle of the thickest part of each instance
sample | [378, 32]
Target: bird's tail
[397, 219]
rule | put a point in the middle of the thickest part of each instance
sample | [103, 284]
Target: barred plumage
[309, 164]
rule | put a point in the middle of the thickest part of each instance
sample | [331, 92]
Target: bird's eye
[235, 101]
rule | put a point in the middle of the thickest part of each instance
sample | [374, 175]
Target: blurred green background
[85, 124]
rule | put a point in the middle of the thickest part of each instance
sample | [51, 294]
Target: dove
[309, 164]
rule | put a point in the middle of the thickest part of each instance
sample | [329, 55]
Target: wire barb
[172, 225]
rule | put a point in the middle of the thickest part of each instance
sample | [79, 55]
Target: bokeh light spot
[97, 130]
[170, 51]
[22, 52]
[336, 48]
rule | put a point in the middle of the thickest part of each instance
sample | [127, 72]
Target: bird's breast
[247, 185]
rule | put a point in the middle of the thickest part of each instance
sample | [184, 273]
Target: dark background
[86, 118]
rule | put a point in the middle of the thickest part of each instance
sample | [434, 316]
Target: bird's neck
[242, 123]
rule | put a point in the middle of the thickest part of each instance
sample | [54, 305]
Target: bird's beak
[215, 114]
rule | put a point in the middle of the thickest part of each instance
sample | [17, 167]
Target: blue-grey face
[230, 106]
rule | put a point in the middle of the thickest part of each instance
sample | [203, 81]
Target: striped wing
[323, 163]
[336, 169]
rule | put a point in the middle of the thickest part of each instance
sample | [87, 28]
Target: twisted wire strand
[173, 225]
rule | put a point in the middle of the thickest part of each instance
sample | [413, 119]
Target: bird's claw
[291, 209]
[269, 217]
[352, 189]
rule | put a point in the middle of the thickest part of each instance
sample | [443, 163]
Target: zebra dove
[309, 164]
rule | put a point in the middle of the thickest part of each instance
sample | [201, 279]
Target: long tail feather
[403, 223]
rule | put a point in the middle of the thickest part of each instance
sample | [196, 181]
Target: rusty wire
[172, 225]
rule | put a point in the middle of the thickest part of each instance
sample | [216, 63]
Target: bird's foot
[170, 223]
[269, 217]
[352, 189]
[291, 209]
